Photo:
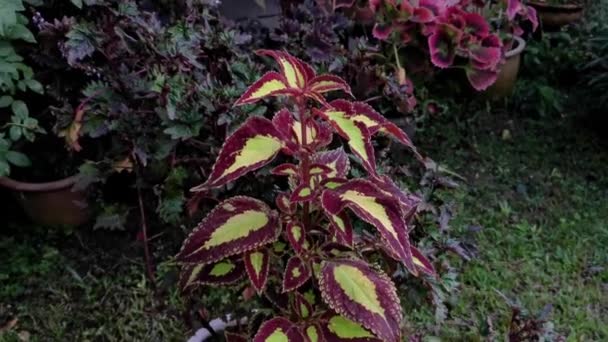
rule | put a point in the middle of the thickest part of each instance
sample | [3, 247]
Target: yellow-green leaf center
[358, 287]
[237, 227]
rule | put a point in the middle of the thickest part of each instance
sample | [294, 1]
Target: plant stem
[305, 163]
[144, 232]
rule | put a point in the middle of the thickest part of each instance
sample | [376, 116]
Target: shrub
[326, 257]
[16, 79]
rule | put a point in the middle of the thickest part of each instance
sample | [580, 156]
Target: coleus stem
[305, 161]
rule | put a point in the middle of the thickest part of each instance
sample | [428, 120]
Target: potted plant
[555, 14]
[507, 18]
[47, 202]
[459, 35]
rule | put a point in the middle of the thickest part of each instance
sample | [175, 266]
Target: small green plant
[329, 282]
[16, 79]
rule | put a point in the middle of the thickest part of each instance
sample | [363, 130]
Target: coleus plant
[450, 29]
[307, 242]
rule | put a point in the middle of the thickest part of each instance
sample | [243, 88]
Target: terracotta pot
[555, 16]
[52, 203]
[505, 83]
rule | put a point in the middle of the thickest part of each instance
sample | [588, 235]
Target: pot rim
[61, 184]
[566, 7]
[521, 44]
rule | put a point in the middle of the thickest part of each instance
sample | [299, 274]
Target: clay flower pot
[505, 83]
[553, 17]
[52, 203]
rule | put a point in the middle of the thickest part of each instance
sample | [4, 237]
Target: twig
[144, 231]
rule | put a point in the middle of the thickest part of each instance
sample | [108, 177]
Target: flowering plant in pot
[453, 34]
[322, 276]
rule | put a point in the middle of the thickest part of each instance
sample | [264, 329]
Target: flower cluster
[451, 29]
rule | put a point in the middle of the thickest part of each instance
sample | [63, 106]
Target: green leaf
[15, 133]
[5, 169]
[34, 86]
[20, 109]
[77, 3]
[18, 159]
[21, 32]
[5, 101]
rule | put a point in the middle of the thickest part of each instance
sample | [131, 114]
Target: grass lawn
[538, 188]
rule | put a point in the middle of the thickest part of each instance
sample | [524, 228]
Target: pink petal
[481, 79]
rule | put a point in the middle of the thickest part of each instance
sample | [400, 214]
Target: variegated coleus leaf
[295, 72]
[296, 235]
[374, 121]
[332, 183]
[250, 147]
[317, 134]
[368, 202]
[337, 328]
[225, 272]
[232, 337]
[302, 193]
[312, 333]
[342, 228]
[325, 83]
[423, 264]
[408, 202]
[286, 169]
[336, 160]
[355, 132]
[301, 306]
[284, 204]
[235, 226]
[278, 329]
[257, 264]
[297, 272]
[271, 84]
[357, 292]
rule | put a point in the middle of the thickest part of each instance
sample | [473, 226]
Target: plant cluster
[131, 87]
[16, 80]
[452, 34]
[323, 276]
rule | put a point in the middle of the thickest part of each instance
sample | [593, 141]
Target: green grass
[81, 288]
[541, 197]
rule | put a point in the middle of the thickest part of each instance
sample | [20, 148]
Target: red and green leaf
[271, 84]
[342, 228]
[361, 294]
[423, 264]
[369, 203]
[284, 204]
[301, 306]
[336, 160]
[325, 83]
[355, 133]
[296, 274]
[225, 272]
[257, 264]
[286, 169]
[296, 235]
[250, 147]
[373, 121]
[312, 333]
[278, 329]
[235, 226]
[336, 328]
[303, 193]
[295, 72]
